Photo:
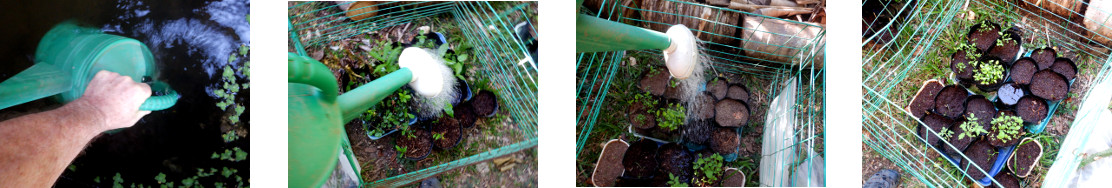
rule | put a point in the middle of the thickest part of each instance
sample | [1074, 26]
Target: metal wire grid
[488, 30]
[914, 30]
[596, 71]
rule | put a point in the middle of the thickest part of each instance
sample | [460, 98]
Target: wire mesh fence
[906, 41]
[488, 27]
[778, 53]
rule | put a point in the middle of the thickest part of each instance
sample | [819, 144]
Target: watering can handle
[155, 103]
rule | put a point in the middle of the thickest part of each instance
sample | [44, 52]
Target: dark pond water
[191, 41]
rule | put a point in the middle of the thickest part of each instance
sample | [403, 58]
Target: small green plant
[671, 118]
[946, 133]
[971, 128]
[1005, 38]
[392, 112]
[401, 150]
[1007, 127]
[674, 181]
[437, 136]
[645, 99]
[707, 170]
[989, 72]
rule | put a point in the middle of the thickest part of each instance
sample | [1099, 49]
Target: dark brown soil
[673, 91]
[698, 132]
[1026, 157]
[731, 113]
[1009, 49]
[1049, 85]
[934, 122]
[738, 92]
[1005, 179]
[449, 127]
[1022, 70]
[993, 132]
[609, 165]
[950, 102]
[417, 147]
[962, 57]
[705, 110]
[924, 99]
[676, 160]
[1008, 95]
[485, 103]
[656, 83]
[718, 89]
[959, 142]
[640, 116]
[995, 84]
[725, 141]
[1044, 57]
[984, 39]
[982, 154]
[733, 178]
[1065, 67]
[1031, 109]
[640, 160]
[465, 114]
[982, 108]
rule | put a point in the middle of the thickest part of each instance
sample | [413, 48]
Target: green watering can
[318, 144]
[69, 56]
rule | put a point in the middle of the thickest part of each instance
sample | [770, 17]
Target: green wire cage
[774, 53]
[903, 39]
[488, 27]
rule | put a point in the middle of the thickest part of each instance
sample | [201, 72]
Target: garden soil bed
[1049, 85]
[640, 160]
[485, 103]
[951, 101]
[731, 113]
[1031, 109]
[1022, 70]
[982, 154]
[924, 98]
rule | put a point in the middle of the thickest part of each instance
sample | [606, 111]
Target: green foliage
[645, 99]
[235, 154]
[437, 136]
[230, 136]
[392, 112]
[671, 118]
[972, 128]
[1005, 38]
[946, 133]
[1007, 127]
[674, 181]
[387, 58]
[989, 72]
[708, 170]
[401, 150]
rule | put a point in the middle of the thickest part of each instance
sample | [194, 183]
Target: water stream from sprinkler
[433, 81]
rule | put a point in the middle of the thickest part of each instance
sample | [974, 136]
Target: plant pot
[697, 134]
[1006, 180]
[950, 101]
[718, 89]
[983, 155]
[639, 160]
[450, 129]
[983, 35]
[655, 83]
[733, 178]
[993, 132]
[738, 92]
[1022, 71]
[609, 166]
[725, 142]
[485, 103]
[1008, 95]
[978, 106]
[465, 114]
[1049, 85]
[640, 117]
[731, 113]
[705, 109]
[1044, 57]
[1025, 157]
[1007, 50]
[464, 91]
[676, 160]
[993, 84]
[418, 147]
[959, 143]
[924, 98]
[959, 64]
[937, 123]
[1065, 67]
[1031, 109]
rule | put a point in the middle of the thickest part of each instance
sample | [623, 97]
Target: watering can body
[68, 57]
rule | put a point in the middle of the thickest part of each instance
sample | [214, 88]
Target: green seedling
[671, 118]
[1007, 127]
[972, 128]
[437, 136]
[708, 170]
[989, 72]
[674, 181]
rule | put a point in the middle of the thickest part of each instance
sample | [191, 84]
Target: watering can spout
[39, 81]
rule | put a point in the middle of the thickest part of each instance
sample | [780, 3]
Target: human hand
[114, 99]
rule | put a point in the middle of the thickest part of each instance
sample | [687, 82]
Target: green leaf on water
[243, 50]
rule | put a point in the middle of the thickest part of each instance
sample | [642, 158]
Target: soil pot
[1031, 109]
[640, 159]
[950, 101]
[731, 113]
[982, 154]
[733, 178]
[991, 85]
[1007, 47]
[417, 147]
[655, 83]
[705, 109]
[1044, 57]
[1022, 70]
[1026, 157]
[739, 92]
[609, 165]
[485, 103]
[960, 143]
[978, 106]
[924, 98]
[725, 142]
[674, 159]
[992, 131]
[450, 130]
[718, 89]
[1049, 85]
[464, 91]
[640, 116]
[934, 122]
[983, 35]
[698, 132]
[959, 63]
[1006, 180]
[1065, 67]
[465, 114]
[1008, 95]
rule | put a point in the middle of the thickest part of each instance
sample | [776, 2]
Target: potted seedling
[708, 170]
[675, 164]
[923, 101]
[1065, 67]
[1008, 95]
[1022, 71]
[655, 82]
[989, 74]
[725, 141]
[963, 61]
[485, 103]
[1031, 109]
[982, 108]
[982, 154]
[983, 35]
[950, 101]
[609, 166]
[1044, 57]
[731, 113]
[938, 124]
[640, 159]
[1006, 129]
[965, 133]
[676, 181]
[414, 144]
[446, 133]
[1026, 157]
[668, 120]
[385, 119]
[640, 111]
[1049, 85]
[733, 178]
[1007, 47]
